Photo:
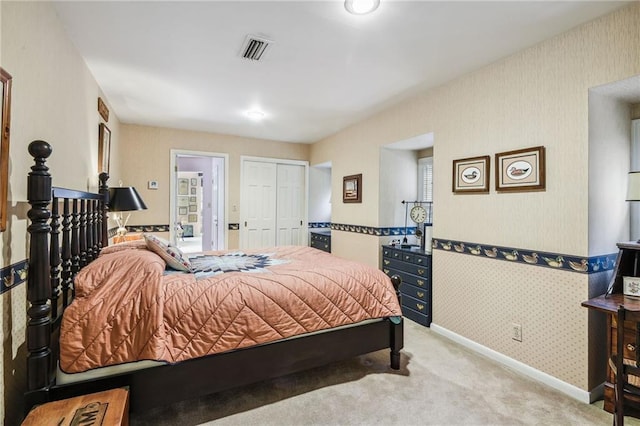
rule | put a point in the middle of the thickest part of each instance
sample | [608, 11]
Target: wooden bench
[102, 408]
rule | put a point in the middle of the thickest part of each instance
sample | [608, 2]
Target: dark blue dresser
[414, 267]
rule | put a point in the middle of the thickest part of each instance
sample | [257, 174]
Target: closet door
[290, 214]
[258, 204]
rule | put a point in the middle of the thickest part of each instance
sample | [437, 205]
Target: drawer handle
[420, 271]
[420, 306]
[420, 293]
[631, 347]
[386, 252]
[386, 262]
[419, 260]
[386, 271]
[420, 283]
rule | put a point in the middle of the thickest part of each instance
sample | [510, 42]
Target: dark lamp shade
[124, 199]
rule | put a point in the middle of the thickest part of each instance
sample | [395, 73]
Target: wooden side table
[127, 237]
[609, 305]
[103, 408]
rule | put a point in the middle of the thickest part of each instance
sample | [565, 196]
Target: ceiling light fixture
[361, 7]
[255, 114]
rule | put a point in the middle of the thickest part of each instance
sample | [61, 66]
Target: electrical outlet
[516, 332]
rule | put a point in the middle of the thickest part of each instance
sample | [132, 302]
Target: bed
[68, 248]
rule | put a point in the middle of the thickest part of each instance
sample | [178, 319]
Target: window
[425, 179]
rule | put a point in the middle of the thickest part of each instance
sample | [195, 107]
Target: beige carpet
[440, 383]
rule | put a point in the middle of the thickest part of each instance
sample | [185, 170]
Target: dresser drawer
[408, 278]
[419, 306]
[416, 316]
[415, 292]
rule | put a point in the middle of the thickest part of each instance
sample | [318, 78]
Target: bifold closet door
[273, 204]
[259, 203]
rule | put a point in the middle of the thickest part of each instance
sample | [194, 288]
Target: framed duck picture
[521, 170]
[471, 175]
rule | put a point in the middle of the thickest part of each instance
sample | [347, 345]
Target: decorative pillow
[173, 257]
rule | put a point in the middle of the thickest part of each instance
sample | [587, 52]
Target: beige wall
[536, 97]
[55, 99]
[147, 156]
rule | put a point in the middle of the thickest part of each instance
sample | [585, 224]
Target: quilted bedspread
[127, 308]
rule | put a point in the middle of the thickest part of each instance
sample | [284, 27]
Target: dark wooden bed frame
[68, 229]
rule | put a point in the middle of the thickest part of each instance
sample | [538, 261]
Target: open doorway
[198, 200]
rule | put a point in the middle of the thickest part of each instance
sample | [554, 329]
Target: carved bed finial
[39, 372]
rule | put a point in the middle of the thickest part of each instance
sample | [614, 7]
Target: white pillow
[173, 257]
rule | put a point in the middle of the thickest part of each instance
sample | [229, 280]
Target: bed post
[397, 328]
[39, 372]
[104, 208]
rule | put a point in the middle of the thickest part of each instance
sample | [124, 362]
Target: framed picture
[520, 170]
[193, 190]
[471, 175]
[193, 208]
[352, 189]
[194, 182]
[183, 201]
[5, 132]
[193, 218]
[182, 210]
[103, 110]
[104, 148]
[192, 199]
[183, 186]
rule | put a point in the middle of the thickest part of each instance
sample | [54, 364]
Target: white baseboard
[571, 390]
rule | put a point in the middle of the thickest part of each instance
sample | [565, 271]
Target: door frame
[173, 178]
[244, 158]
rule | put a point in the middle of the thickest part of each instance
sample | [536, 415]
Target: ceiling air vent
[254, 47]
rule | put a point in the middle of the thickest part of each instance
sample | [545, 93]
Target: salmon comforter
[128, 308]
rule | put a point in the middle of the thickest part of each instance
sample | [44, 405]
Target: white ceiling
[177, 64]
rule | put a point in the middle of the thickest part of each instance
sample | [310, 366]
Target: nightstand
[127, 237]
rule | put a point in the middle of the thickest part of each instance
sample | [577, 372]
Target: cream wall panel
[146, 156]
[496, 294]
[54, 98]
[609, 164]
[359, 247]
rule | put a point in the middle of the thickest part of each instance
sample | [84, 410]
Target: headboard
[67, 231]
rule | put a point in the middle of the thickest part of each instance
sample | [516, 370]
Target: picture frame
[183, 186]
[192, 199]
[193, 190]
[104, 148]
[352, 189]
[521, 170]
[194, 182]
[5, 133]
[193, 208]
[471, 175]
[183, 201]
[182, 211]
[103, 110]
[192, 218]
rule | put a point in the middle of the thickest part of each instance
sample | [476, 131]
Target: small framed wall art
[352, 189]
[5, 132]
[183, 186]
[471, 175]
[521, 170]
[104, 148]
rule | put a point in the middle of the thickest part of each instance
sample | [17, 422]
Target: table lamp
[124, 199]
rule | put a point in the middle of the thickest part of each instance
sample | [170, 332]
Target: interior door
[259, 204]
[290, 214]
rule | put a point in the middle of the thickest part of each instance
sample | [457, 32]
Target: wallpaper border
[565, 262]
[12, 276]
